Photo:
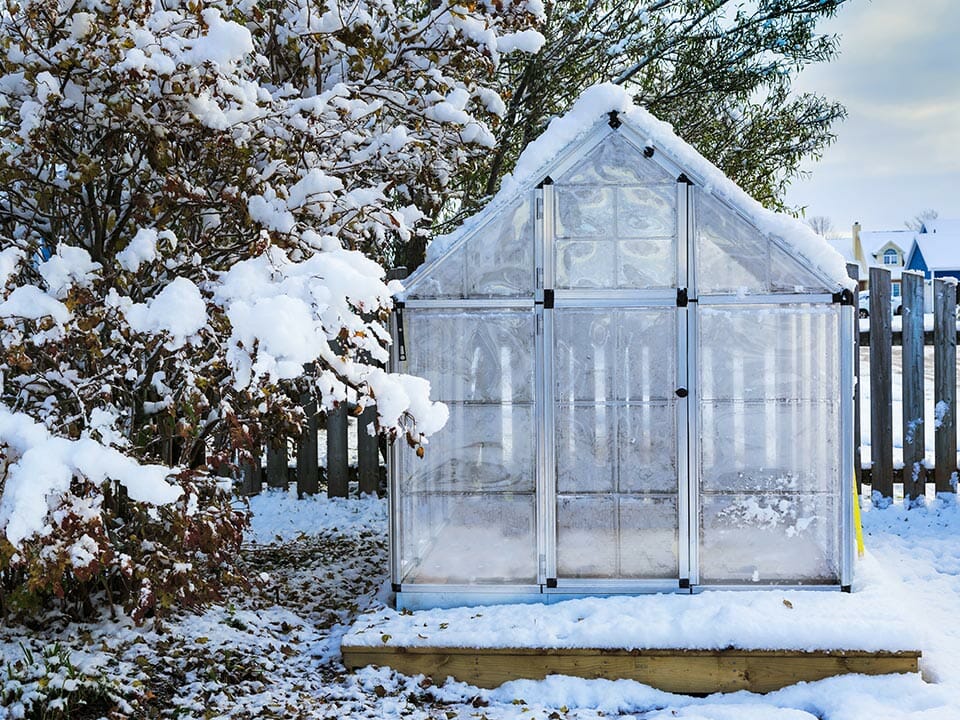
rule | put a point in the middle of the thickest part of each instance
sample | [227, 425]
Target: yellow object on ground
[857, 524]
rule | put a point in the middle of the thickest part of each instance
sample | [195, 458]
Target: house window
[896, 289]
[891, 257]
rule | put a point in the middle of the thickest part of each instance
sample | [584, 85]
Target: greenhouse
[649, 379]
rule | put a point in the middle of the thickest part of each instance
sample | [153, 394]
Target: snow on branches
[196, 201]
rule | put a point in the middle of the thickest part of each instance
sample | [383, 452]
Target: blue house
[935, 250]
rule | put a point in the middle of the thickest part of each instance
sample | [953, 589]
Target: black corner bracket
[682, 298]
[551, 582]
[685, 583]
[395, 587]
[684, 179]
[648, 151]
[845, 588]
[614, 119]
[844, 297]
[546, 181]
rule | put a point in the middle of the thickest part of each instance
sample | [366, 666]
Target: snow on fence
[886, 453]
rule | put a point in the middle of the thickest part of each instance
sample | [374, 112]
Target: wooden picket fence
[915, 475]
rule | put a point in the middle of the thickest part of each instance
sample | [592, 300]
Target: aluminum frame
[543, 207]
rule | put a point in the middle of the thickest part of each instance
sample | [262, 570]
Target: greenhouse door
[614, 495]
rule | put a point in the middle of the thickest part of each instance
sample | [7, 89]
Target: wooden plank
[251, 475]
[853, 270]
[338, 471]
[277, 466]
[914, 474]
[368, 451]
[308, 468]
[684, 671]
[881, 388]
[945, 383]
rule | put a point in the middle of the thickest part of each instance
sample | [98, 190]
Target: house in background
[879, 248]
[935, 250]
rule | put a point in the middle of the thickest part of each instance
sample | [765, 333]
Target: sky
[898, 151]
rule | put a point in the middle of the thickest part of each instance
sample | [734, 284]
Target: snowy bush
[195, 202]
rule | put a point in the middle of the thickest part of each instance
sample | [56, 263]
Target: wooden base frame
[679, 671]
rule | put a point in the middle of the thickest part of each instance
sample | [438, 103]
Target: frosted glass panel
[647, 212]
[483, 448]
[645, 366]
[615, 162]
[587, 536]
[757, 352]
[584, 354]
[646, 444]
[472, 355]
[500, 256]
[782, 447]
[584, 211]
[586, 448]
[731, 255]
[752, 538]
[646, 263]
[787, 275]
[585, 264]
[481, 539]
[648, 537]
[445, 279]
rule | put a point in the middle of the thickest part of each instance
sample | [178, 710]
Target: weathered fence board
[338, 469]
[945, 383]
[308, 467]
[368, 452]
[912, 421]
[881, 405]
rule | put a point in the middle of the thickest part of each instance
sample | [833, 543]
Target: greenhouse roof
[592, 110]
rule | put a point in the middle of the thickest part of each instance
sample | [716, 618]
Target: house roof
[937, 226]
[874, 240]
[590, 112]
[941, 249]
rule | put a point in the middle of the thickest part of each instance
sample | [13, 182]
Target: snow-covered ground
[274, 652]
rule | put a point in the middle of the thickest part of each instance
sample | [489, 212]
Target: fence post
[914, 473]
[338, 471]
[368, 451]
[945, 383]
[308, 469]
[277, 466]
[853, 271]
[251, 473]
[881, 389]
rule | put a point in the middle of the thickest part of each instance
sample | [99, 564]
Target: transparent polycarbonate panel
[731, 255]
[500, 256]
[445, 279]
[482, 355]
[584, 354]
[760, 538]
[648, 537]
[482, 449]
[584, 211]
[646, 263]
[647, 212]
[467, 539]
[615, 354]
[645, 364]
[646, 445]
[615, 162]
[788, 274]
[761, 352]
[771, 447]
[587, 536]
[586, 448]
[585, 264]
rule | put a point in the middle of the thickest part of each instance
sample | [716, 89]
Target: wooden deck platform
[680, 671]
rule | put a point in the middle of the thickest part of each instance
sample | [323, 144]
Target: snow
[278, 516]
[591, 109]
[41, 467]
[68, 266]
[30, 302]
[142, 248]
[178, 310]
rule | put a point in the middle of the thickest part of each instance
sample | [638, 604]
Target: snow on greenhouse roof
[591, 109]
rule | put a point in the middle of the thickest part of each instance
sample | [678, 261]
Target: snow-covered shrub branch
[196, 202]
